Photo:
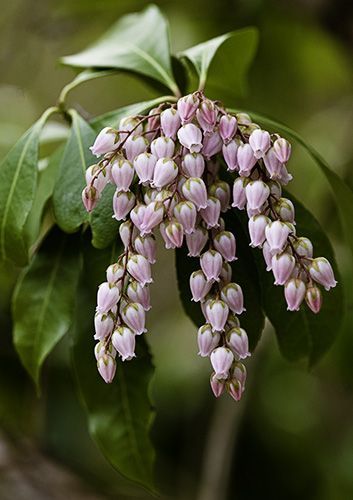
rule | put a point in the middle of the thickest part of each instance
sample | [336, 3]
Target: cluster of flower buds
[166, 167]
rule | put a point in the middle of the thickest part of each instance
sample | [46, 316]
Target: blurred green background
[292, 436]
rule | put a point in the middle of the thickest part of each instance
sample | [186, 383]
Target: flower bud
[238, 341]
[313, 298]
[195, 190]
[96, 177]
[140, 294]
[122, 204]
[284, 208]
[221, 360]
[140, 269]
[225, 244]
[212, 144]
[207, 340]
[193, 164]
[277, 233]
[294, 292]
[275, 188]
[106, 365]
[125, 232]
[135, 145]
[207, 115]
[144, 165]
[146, 246]
[272, 164]
[212, 212]
[199, 286]
[239, 373]
[260, 142]
[282, 267]
[217, 385]
[185, 213]
[105, 142]
[122, 173]
[226, 273]
[187, 107]
[114, 273]
[217, 313]
[162, 147]
[230, 152]
[102, 348]
[227, 127]
[103, 325]
[211, 264]
[107, 297]
[243, 119]
[170, 122]
[137, 215]
[167, 243]
[124, 341]
[282, 149]
[234, 389]
[303, 247]
[257, 225]
[130, 124]
[257, 193]
[221, 191]
[165, 171]
[246, 159]
[152, 216]
[232, 295]
[239, 196]
[190, 137]
[90, 198]
[196, 241]
[134, 316]
[175, 233]
[322, 272]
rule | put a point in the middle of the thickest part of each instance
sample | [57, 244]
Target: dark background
[292, 436]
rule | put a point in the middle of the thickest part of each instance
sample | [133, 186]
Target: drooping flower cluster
[166, 167]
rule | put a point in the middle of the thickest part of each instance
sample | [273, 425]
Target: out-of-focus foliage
[292, 420]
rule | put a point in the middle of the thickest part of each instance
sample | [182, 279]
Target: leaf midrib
[48, 292]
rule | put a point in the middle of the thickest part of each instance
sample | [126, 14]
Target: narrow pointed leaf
[119, 414]
[43, 300]
[222, 63]
[18, 182]
[137, 42]
[304, 334]
[104, 227]
[68, 207]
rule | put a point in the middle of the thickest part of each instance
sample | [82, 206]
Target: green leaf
[304, 334]
[43, 300]
[120, 414]
[244, 273]
[112, 118]
[18, 181]
[341, 191]
[138, 43]
[46, 181]
[68, 207]
[222, 63]
[104, 227]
